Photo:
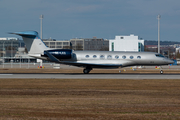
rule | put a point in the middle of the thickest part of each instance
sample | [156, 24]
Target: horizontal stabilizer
[27, 34]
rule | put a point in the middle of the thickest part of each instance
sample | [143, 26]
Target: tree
[146, 48]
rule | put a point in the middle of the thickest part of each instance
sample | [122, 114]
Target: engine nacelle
[60, 53]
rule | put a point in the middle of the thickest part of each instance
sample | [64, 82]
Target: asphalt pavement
[92, 76]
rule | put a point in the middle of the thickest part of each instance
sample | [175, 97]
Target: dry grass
[89, 99]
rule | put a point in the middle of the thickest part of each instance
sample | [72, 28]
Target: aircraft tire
[86, 71]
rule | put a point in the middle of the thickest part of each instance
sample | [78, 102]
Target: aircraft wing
[92, 64]
[51, 57]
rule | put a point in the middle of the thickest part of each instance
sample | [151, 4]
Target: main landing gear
[87, 70]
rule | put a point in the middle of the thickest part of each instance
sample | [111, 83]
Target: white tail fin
[32, 41]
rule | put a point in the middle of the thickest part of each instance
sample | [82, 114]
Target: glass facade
[140, 47]
[112, 46]
[8, 48]
[90, 44]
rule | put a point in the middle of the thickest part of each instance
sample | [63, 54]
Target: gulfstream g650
[89, 59]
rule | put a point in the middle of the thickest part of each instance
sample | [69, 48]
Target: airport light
[28, 62]
[41, 17]
[11, 52]
[20, 56]
[3, 54]
[159, 17]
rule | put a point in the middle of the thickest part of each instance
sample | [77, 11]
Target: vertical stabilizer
[32, 41]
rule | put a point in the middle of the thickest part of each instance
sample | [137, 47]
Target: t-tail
[34, 44]
[36, 48]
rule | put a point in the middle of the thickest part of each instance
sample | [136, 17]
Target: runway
[91, 76]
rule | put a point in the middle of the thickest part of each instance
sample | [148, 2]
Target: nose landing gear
[161, 71]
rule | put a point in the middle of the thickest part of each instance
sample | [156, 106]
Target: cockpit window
[159, 55]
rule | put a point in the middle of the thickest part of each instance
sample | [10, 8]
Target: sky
[66, 19]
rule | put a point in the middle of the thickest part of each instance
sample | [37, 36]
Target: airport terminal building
[79, 44]
[97, 44]
[58, 44]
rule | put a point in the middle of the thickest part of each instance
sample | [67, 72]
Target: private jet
[90, 59]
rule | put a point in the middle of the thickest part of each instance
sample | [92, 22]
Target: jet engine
[59, 53]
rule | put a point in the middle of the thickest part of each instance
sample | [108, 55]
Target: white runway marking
[6, 74]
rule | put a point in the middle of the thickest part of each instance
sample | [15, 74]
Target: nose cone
[170, 61]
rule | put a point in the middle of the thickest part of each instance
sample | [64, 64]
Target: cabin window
[102, 56]
[124, 57]
[138, 57]
[109, 57]
[87, 56]
[117, 57]
[94, 56]
[131, 57]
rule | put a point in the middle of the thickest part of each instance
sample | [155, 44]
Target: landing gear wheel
[161, 72]
[86, 71]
